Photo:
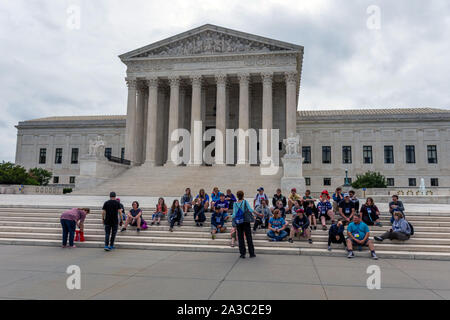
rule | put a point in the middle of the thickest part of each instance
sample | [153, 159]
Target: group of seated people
[342, 209]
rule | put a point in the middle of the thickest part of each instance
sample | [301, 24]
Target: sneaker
[171, 229]
[72, 247]
[242, 256]
[63, 247]
[351, 255]
[158, 223]
[123, 229]
[197, 224]
[378, 238]
[310, 241]
[253, 256]
[324, 228]
[112, 248]
[374, 256]
[107, 248]
[153, 223]
[329, 248]
[290, 240]
[138, 230]
[315, 227]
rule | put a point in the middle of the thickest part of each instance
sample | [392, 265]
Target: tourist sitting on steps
[134, 218]
[69, 221]
[358, 235]
[231, 199]
[199, 212]
[293, 196]
[259, 197]
[176, 214]
[401, 230]
[310, 214]
[262, 216]
[280, 207]
[297, 206]
[300, 227]
[325, 209]
[277, 226]
[186, 201]
[336, 235]
[396, 205]
[218, 222]
[346, 209]
[215, 197]
[337, 198]
[204, 199]
[354, 199]
[161, 211]
[278, 196]
[223, 205]
[370, 213]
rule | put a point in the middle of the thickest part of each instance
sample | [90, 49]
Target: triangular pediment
[210, 40]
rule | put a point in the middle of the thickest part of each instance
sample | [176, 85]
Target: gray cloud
[48, 69]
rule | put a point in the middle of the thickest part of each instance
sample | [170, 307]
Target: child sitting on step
[161, 211]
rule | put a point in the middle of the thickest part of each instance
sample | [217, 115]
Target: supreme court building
[233, 80]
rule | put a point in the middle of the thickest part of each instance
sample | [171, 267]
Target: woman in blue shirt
[244, 227]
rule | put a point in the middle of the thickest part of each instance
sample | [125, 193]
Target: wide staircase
[172, 181]
[41, 227]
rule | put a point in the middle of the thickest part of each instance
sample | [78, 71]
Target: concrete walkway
[146, 202]
[40, 273]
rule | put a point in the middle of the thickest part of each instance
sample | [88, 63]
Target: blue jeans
[68, 227]
[283, 234]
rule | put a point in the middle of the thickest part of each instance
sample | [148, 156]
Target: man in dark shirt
[346, 209]
[111, 212]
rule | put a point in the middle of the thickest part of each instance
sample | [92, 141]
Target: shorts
[297, 231]
[357, 244]
[327, 217]
[213, 227]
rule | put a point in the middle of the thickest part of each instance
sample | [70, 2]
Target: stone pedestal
[293, 174]
[95, 170]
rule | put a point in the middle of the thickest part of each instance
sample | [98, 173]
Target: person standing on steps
[243, 216]
[69, 222]
[111, 212]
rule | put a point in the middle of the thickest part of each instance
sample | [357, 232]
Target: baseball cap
[112, 195]
[325, 191]
[346, 195]
[260, 189]
[300, 211]
[293, 189]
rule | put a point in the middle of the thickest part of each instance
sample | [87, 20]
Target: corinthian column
[139, 146]
[267, 112]
[291, 103]
[130, 134]
[150, 149]
[173, 114]
[196, 116]
[221, 118]
[244, 118]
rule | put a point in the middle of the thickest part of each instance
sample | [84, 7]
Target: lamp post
[346, 184]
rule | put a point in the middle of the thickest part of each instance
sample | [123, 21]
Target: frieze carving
[210, 42]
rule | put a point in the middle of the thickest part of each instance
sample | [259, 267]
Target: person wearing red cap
[300, 226]
[293, 196]
[325, 209]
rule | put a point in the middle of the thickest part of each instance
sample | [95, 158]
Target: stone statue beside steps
[96, 147]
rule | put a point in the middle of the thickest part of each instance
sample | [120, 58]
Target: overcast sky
[351, 60]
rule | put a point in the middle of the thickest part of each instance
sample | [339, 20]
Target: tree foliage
[15, 174]
[42, 176]
[370, 180]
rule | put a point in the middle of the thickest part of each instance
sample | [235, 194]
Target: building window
[432, 154]
[390, 182]
[58, 155]
[410, 154]
[412, 182]
[434, 182]
[306, 154]
[55, 180]
[346, 154]
[388, 154]
[75, 152]
[367, 154]
[308, 181]
[327, 181]
[72, 180]
[122, 153]
[108, 152]
[42, 156]
[326, 154]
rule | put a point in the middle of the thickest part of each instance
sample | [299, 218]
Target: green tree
[15, 174]
[370, 180]
[42, 176]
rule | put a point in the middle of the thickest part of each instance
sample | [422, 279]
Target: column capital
[221, 79]
[174, 81]
[196, 80]
[267, 78]
[152, 82]
[131, 83]
[244, 78]
[291, 77]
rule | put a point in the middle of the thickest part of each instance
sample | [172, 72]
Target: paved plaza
[40, 273]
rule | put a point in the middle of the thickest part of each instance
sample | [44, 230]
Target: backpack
[412, 228]
[240, 214]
